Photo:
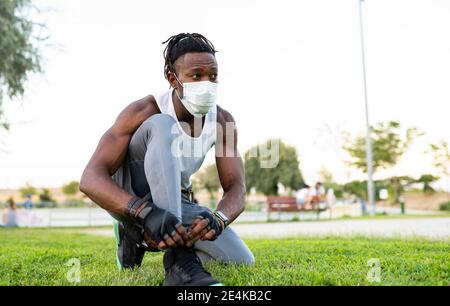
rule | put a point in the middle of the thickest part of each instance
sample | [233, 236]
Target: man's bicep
[111, 151]
[113, 145]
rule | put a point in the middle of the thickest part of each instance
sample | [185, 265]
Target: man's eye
[196, 76]
[213, 76]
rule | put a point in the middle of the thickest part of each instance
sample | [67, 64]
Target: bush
[445, 206]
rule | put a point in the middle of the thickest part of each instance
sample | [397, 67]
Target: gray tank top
[191, 150]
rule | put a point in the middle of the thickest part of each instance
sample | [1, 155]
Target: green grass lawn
[39, 257]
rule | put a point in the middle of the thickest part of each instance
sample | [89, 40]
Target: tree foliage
[19, 54]
[71, 188]
[208, 179]
[426, 180]
[395, 185]
[266, 179]
[27, 190]
[46, 196]
[357, 188]
[441, 157]
[388, 145]
[326, 178]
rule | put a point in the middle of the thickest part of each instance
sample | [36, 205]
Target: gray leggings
[154, 169]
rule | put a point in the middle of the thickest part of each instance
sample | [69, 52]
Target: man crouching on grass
[140, 172]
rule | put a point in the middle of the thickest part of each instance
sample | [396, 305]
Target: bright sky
[289, 69]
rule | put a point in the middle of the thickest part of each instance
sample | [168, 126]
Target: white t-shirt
[301, 195]
[313, 191]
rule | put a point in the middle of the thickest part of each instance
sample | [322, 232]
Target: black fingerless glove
[157, 223]
[213, 223]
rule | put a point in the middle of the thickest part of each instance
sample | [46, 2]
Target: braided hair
[180, 44]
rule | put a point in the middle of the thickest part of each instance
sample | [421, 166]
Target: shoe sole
[117, 239]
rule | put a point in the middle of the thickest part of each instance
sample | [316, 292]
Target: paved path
[68, 217]
[431, 228]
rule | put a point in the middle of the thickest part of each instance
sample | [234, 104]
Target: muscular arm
[96, 181]
[230, 167]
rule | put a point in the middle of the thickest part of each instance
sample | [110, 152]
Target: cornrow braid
[180, 44]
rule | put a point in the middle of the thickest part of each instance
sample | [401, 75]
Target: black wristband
[133, 206]
[143, 213]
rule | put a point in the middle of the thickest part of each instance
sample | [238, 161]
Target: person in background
[10, 215]
[316, 194]
[28, 203]
[362, 203]
[331, 198]
[302, 195]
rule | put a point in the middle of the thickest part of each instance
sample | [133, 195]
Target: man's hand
[164, 228]
[205, 227]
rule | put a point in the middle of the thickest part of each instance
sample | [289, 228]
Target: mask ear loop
[176, 91]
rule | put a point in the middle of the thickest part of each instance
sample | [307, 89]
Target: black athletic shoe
[130, 250]
[183, 268]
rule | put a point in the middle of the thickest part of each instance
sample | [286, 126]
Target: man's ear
[172, 80]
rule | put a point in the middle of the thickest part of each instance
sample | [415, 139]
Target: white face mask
[198, 97]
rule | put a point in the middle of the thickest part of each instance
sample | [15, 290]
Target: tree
[264, 175]
[396, 186]
[208, 179]
[326, 177]
[46, 196]
[27, 190]
[71, 188]
[10, 201]
[426, 180]
[19, 55]
[357, 188]
[388, 145]
[441, 158]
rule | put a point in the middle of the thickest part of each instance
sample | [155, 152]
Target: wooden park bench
[289, 204]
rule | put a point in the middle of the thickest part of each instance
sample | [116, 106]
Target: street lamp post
[370, 186]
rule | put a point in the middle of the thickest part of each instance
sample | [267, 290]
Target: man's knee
[228, 248]
[241, 257]
[246, 258]
[237, 258]
[160, 126]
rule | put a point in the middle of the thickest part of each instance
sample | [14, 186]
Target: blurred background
[290, 72]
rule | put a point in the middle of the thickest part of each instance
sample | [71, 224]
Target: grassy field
[39, 257]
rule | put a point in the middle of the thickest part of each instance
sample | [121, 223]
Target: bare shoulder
[135, 113]
[226, 127]
[144, 107]
[224, 116]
